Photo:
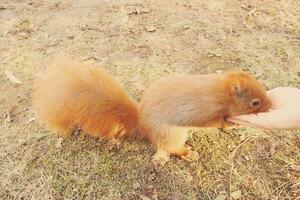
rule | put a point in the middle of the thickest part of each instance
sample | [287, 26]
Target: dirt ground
[140, 41]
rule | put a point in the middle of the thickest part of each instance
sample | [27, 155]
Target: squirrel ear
[237, 92]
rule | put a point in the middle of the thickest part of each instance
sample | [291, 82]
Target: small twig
[251, 12]
[109, 5]
[283, 185]
[230, 175]
[247, 15]
[237, 148]
[296, 184]
[232, 164]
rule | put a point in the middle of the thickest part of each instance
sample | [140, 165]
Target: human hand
[284, 112]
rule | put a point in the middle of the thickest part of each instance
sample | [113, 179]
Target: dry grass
[139, 41]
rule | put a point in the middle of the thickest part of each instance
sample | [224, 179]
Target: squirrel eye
[255, 103]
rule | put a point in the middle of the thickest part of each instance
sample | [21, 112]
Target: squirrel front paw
[161, 157]
[188, 154]
[114, 144]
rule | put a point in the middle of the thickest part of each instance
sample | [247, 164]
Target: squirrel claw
[114, 144]
[190, 155]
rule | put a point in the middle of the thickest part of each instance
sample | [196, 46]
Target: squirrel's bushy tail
[84, 96]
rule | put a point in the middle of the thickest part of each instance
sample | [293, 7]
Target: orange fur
[177, 102]
[85, 96]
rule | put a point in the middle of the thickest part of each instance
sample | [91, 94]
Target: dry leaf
[212, 54]
[220, 197]
[12, 78]
[295, 168]
[152, 177]
[134, 10]
[10, 114]
[143, 197]
[5, 33]
[177, 196]
[236, 194]
[139, 85]
[136, 185]
[59, 143]
[22, 141]
[150, 28]
[39, 137]
[30, 120]
[269, 150]
[154, 194]
[125, 19]
[246, 158]
[91, 57]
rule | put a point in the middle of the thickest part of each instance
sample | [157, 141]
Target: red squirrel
[85, 96]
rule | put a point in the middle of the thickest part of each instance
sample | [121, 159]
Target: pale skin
[284, 114]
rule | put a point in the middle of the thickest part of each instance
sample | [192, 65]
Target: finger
[245, 123]
[272, 120]
[246, 120]
[234, 120]
[261, 119]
